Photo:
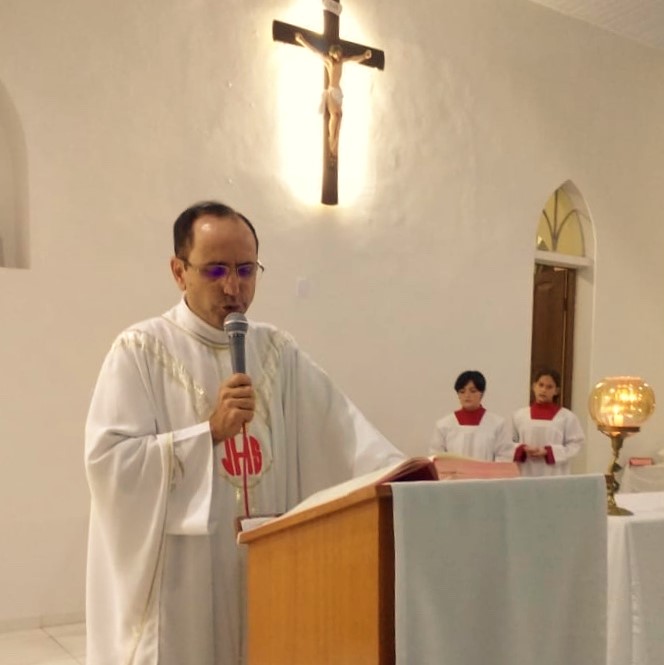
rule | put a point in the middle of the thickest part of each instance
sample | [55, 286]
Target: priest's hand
[535, 451]
[235, 406]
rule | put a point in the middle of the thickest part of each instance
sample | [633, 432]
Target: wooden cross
[349, 51]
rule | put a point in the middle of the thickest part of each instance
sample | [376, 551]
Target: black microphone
[235, 326]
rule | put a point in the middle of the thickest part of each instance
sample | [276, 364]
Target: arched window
[14, 238]
[560, 226]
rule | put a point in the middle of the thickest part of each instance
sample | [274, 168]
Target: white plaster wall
[131, 111]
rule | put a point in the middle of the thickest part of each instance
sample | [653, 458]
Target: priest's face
[219, 245]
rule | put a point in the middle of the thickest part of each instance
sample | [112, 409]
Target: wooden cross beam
[334, 53]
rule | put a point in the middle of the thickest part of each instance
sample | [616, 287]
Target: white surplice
[165, 576]
[563, 433]
[489, 440]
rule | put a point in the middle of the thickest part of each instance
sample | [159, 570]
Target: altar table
[648, 478]
[636, 581]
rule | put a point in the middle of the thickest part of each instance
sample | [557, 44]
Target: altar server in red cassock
[472, 431]
[547, 435]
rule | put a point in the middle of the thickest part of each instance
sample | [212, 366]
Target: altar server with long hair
[547, 435]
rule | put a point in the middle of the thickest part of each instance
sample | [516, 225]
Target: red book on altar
[641, 461]
[457, 467]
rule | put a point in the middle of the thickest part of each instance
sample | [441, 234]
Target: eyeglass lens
[221, 271]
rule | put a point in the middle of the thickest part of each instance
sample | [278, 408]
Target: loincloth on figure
[334, 93]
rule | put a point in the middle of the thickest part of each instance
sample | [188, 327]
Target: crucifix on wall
[334, 52]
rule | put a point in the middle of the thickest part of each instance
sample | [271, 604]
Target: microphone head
[236, 324]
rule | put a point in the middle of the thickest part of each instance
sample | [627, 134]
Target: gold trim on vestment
[174, 368]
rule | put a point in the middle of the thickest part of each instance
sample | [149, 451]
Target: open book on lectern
[443, 466]
[408, 470]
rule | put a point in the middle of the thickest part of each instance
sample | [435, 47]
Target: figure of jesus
[333, 96]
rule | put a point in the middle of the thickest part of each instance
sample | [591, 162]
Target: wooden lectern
[481, 566]
[321, 584]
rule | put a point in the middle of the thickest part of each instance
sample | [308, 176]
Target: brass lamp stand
[619, 405]
[617, 436]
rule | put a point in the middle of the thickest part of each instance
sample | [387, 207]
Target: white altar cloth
[501, 572]
[636, 581]
[642, 479]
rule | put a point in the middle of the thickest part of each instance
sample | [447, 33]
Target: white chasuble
[165, 582]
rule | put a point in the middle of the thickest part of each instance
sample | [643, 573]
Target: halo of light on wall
[299, 121]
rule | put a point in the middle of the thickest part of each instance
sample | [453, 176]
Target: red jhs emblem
[232, 460]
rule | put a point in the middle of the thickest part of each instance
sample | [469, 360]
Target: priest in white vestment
[169, 469]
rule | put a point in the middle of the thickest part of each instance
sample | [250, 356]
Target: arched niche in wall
[14, 232]
[563, 295]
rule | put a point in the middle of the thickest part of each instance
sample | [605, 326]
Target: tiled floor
[55, 645]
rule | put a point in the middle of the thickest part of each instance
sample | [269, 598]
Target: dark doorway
[553, 324]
